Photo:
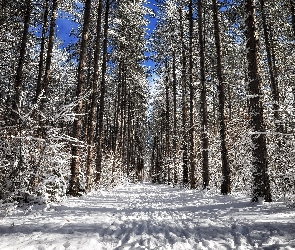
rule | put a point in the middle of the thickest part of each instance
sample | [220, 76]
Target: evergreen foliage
[216, 112]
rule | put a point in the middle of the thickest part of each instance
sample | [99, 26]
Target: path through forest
[150, 216]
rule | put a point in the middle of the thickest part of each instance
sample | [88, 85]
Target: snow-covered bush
[240, 155]
[33, 169]
[113, 172]
[34, 162]
[281, 167]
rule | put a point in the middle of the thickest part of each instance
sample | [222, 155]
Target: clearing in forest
[150, 216]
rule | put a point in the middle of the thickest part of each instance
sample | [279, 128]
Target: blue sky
[64, 28]
[150, 27]
[152, 20]
[65, 25]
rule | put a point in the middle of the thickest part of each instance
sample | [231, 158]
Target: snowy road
[147, 216]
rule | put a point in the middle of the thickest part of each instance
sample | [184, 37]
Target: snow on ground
[150, 216]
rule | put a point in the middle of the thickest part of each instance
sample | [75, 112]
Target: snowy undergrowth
[150, 216]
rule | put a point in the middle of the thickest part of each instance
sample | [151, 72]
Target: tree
[50, 46]
[102, 93]
[74, 186]
[19, 71]
[261, 185]
[225, 182]
[167, 125]
[175, 134]
[272, 70]
[203, 101]
[185, 172]
[94, 87]
[42, 50]
[191, 101]
[292, 7]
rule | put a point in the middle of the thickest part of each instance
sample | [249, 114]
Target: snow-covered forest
[185, 99]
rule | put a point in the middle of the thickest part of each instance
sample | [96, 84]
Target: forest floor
[150, 216]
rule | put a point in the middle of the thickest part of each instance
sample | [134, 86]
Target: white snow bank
[149, 216]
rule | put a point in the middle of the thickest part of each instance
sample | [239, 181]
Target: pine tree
[102, 94]
[42, 51]
[261, 185]
[225, 182]
[19, 71]
[203, 101]
[93, 109]
[185, 172]
[191, 101]
[50, 46]
[74, 186]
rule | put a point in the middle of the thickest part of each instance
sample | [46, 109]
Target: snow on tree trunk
[261, 185]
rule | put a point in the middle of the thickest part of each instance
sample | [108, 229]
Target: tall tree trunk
[94, 87]
[3, 13]
[117, 111]
[156, 172]
[192, 93]
[271, 66]
[225, 182]
[74, 187]
[42, 50]
[87, 104]
[115, 125]
[19, 70]
[261, 186]
[128, 137]
[161, 172]
[118, 118]
[229, 105]
[102, 93]
[292, 7]
[185, 178]
[203, 100]
[167, 125]
[175, 132]
[46, 77]
[50, 48]
[123, 113]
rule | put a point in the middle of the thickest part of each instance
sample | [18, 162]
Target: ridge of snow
[151, 216]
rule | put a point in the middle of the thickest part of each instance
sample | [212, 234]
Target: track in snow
[149, 216]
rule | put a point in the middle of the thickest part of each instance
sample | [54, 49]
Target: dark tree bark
[292, 7]
[19, 70]
[3, 13]
[117, 117]
[261, 186]
[229, 104]
[203, 100]
[175, 132]
[167, 125]
[156, 168]
[225, 182]
[74, 187]
[191, 93]
[87, 104]
[128, 148]
[49, 55]
[102, 94]
[50, 48]
[42, 51]
[185, 177]
[123, 112]
[271, 67]
[94, 87]
[160, 156]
